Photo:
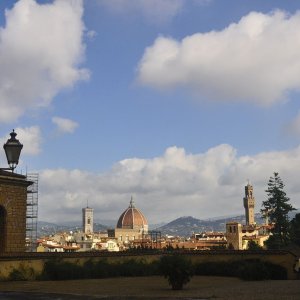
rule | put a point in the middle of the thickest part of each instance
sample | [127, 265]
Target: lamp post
[12, 150]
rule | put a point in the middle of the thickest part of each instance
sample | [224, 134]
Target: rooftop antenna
[87, 203]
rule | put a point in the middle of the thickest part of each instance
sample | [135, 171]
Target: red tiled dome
[132, 218]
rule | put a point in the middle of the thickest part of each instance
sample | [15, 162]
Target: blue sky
[176, 102]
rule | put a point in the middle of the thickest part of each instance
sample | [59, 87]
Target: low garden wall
[32, 264]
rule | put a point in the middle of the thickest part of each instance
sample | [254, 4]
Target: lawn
[200, 287]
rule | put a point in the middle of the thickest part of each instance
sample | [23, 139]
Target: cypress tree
[277, 205]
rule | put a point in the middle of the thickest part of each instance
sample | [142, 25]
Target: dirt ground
[200, 287]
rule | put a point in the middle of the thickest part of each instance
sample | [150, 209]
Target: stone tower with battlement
[87, 220]
[249, 202]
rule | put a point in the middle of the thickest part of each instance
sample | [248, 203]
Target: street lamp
[12, 150]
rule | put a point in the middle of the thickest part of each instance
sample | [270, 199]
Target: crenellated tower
[249, 202]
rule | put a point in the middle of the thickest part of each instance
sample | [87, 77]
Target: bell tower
[249, 202]
[87, 220]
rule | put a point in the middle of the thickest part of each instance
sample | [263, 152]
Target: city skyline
[174, 102]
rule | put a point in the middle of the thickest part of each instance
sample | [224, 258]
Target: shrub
[252, 246]
[252, 270]
[60, 270]
[22, 274]
[177, 269]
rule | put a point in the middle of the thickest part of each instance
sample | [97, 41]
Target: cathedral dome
[132, 218]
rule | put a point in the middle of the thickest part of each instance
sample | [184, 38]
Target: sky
[177, 103]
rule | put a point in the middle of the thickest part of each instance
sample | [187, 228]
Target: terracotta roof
[131, 218]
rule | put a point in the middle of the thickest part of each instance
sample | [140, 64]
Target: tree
[295, 230]
[177, 269]
[277, 208]
[252, 246]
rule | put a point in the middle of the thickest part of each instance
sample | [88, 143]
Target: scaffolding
[152, 239]
[32, 212]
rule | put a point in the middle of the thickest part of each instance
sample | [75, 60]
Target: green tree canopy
[252, 246]
[295, 230]
[277, 208]
[177, 269]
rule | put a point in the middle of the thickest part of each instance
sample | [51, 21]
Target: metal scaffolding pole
[32, 212]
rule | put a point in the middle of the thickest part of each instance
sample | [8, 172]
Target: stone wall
[35, 261]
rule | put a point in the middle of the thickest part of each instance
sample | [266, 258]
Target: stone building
[132, 225]
[239, 235]
[234, 235]
[87, 220]
[13, 200]
[249, 202]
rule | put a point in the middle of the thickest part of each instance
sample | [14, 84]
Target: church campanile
[87, 220]
[249, 202]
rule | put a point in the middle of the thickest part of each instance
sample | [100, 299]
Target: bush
[21, 274]
[60, 270]
[177, 269]
[252, 270]
[252, 246]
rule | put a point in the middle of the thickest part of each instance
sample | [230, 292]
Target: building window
[89, 221]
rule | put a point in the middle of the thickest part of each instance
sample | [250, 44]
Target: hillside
[46, 228]
[185, 226]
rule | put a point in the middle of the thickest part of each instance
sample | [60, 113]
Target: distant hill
[46, 228]
[185, 226]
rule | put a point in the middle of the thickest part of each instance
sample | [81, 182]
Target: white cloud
[31, 139]
[41, 49]
[255, 60]
[172, 185]
[64, 125]
[154, 10]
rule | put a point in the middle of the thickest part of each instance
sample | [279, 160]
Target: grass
[156, 287]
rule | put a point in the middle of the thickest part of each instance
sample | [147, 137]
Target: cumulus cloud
[169, 186]
[41, 49]
[154, 10]
[64, 125]
[255, 60]
[30, 137]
